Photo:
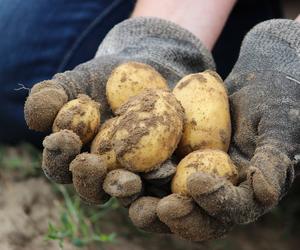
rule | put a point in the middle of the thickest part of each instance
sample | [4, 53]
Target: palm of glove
[264, 96]
[265, 163]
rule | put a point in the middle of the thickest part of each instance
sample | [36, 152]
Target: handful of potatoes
[159, 135]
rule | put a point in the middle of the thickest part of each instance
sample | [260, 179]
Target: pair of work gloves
[264, 90]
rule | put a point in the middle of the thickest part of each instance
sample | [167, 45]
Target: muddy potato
[208, 161]
[130, 79]
[81, 115]
[207, 116]
[102, 145]
[148, 130]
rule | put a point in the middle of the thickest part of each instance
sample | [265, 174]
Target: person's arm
[204, 18]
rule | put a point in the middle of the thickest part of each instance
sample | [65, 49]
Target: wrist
[171, 49]
[205, 19]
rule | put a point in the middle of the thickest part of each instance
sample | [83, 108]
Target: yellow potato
[130, 79]
[81, 115]
[102, 146]
[207, 117]
[148, 130]
[208, 161]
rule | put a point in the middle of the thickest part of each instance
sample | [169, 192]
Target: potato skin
[81, 115]
[148, 130]
[102, 145]
[130, 79]
[207, 117]
[208, 161]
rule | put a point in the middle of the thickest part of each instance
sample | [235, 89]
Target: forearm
[204, 18]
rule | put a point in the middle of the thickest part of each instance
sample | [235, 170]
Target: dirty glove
[170, 49]
[264, 88]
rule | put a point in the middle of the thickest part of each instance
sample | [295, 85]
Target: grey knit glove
[170, 49]
[264, 88]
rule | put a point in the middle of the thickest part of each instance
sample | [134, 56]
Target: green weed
[23, 160]
[78, 225]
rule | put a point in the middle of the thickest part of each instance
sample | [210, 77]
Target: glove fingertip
[88, 171]
[60, 149]
[142, 213]
[174, 206]
[265, 193]
[43, 97]
[121, 183]
[200, 183]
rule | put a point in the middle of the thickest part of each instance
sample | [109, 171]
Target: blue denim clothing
[42, 37]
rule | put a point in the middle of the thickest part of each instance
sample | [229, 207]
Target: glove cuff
[272, 45]
[276, 31]
[164, 45]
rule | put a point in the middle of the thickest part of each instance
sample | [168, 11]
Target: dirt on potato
[148, 130]
[102, 144]
[130, 79]
[81, 115]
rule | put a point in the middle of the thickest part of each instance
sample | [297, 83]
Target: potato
[102, 145]
[81, 115]
[148, 130]
[130, 79]
[211, 161]
[207, 117]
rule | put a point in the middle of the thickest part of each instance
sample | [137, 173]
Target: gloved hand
[170, 49]
[265, 100]
[264, 88]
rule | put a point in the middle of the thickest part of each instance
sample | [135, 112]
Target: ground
[28, 202]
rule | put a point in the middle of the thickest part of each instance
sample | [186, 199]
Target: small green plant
[23, 160]
[77, 224]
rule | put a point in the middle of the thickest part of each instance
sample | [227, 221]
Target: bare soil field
[28, 202]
